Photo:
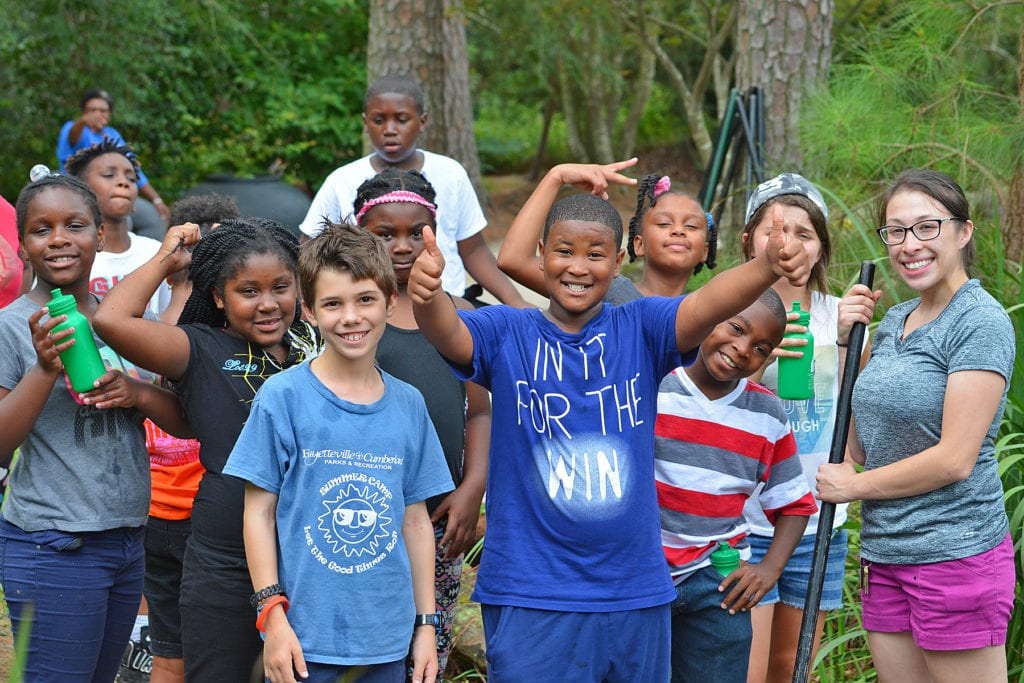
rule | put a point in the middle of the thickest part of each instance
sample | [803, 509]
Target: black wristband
[842, 345]
[259, 596]
[433, 619]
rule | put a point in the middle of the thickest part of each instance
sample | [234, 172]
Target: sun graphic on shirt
[356, 521]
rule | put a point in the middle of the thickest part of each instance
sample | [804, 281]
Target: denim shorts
[708, 643]
[165, 553]
[956, 605]
[792, 586]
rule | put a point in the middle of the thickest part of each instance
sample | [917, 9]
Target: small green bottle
[82, 361]
[725, 559]
[796, 375]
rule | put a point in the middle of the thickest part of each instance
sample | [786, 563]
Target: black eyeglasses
[925, 230]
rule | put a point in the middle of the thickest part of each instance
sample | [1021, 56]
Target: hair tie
[663, 185]
[40, 171]
[710, 219]
[397, 197]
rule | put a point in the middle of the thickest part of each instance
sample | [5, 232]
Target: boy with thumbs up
[573, 582]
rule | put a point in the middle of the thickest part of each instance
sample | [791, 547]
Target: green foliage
[218, 85]
[935, 86]
[519, 51]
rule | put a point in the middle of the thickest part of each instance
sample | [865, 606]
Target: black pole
[714, 170]
[823, 539]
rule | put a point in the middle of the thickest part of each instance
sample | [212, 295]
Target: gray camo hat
[784, 183]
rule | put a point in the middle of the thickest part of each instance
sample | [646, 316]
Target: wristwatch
[433, 619]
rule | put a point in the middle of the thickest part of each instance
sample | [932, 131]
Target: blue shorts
[792, 586]
[392, 672]
[543, 646]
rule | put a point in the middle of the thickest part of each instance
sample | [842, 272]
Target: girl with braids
[71, 532]
[776, 620]
[669, 230]
[396, 205]
[110, 169]
[239, 326]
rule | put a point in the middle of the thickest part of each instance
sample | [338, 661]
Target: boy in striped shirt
[718, 436]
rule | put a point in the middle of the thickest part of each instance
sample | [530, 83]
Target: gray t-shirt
[80, 468]
[898, 403]
[621, 291]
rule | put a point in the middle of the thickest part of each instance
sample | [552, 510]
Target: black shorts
[218, 625]
[165, 552]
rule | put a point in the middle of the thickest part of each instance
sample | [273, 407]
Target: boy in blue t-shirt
[573, 583]
[339, 458]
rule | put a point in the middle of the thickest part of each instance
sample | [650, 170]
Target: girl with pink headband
[396, 205]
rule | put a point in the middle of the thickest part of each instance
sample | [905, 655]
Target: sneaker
[137, 662]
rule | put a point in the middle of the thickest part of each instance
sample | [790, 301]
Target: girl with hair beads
[71, 533]
[396, 205]
[239, 326]
[937, 561]
[776, 620]
[669, 230]
[110, 169]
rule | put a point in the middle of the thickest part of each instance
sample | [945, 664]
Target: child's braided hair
[647, 194]
[220, 255]
[78, 162]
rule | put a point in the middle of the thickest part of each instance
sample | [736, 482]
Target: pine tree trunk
[426, 39]
[785, 47]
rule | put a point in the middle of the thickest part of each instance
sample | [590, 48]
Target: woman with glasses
[937, 568]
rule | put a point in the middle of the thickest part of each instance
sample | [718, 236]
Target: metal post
[707, 191]
[823, 539]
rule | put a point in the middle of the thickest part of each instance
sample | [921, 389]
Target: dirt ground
[6, 646]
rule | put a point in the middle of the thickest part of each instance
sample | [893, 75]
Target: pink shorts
[955, 605]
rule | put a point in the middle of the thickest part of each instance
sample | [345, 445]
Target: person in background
[394, 116]
[206, 211]
[175, 470]
[777, 618]
[937, 560]
[111, 169]
[92, 127]
[396, 206]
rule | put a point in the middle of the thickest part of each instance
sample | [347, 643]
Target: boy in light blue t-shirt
[339, 458]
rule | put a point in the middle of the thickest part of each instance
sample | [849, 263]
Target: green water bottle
[796, 375]
[82, 361]
[725, 559]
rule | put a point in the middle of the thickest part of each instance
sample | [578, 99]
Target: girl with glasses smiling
[937, 572]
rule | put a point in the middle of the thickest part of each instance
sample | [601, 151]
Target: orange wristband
[261, 613]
